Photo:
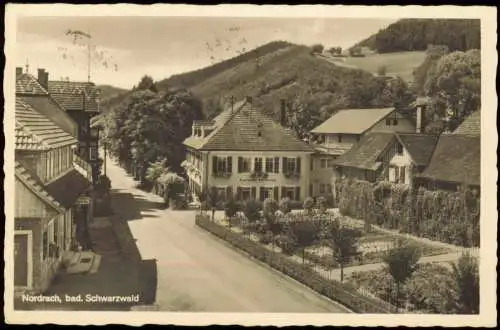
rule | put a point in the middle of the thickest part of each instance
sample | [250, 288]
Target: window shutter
[276, 164]
[229, 192]
[261, 192]
[297, 193]
[229, 164]
[254, 192]
[298, 165]
[240, 165]
[402, 174]
[283, 192]
[276, 192]
[214, 164]
[285, 161]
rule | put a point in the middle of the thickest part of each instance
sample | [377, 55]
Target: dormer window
[400, 149]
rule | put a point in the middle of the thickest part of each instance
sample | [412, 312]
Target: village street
[198, 272]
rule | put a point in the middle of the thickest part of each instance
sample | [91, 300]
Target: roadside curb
[275, 271]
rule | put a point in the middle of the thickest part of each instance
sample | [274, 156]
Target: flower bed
[344, 293]
[429, 290]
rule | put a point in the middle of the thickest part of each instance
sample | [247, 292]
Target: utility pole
[88, 56]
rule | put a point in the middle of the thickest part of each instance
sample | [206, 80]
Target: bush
[344, 293]
[284, 205]
[321, 204]
[266, 238]
[308, 205]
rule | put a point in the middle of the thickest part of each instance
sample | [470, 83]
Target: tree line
[417, 34]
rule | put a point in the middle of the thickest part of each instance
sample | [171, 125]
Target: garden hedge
[450, 217]
[345, 294]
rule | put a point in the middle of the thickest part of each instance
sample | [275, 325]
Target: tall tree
[401, 263]
[466, 276]
[344, 243]
[147, 83]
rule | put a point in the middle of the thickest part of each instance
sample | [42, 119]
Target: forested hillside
[417, 34]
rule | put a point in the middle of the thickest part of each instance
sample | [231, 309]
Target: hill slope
[416, 34]
[313, 88]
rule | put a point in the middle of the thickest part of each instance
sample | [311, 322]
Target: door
[21, 260]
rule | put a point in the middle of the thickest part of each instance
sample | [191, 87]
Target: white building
[246, 154]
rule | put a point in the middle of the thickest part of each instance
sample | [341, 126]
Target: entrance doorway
[22, 259]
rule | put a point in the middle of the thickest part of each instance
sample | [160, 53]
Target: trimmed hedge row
[450, 217]
[346, 294]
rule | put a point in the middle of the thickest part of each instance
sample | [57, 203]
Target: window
[402, 175]
[400, 149]
[291, 165]
[388, 121]
[396, 174]
[258, 165]
[243, 165]
[269, 165]
[328, 188]
[265, 193]
[221, 191]
[245, 193]
[221, 165]
[394, 121]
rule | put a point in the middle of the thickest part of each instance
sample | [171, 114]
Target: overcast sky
[126, 48]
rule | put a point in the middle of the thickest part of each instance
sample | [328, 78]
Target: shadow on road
[132, 206]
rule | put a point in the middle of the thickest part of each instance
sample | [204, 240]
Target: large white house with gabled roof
[245, 154]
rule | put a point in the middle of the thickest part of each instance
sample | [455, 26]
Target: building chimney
[43, 78]
[283, 118]
[419, 118]
[19, 71]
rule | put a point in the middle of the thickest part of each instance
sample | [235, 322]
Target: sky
[123, 49]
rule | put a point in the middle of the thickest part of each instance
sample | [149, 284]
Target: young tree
[344, 243]
[382, 70]
[321, 204]
[230, 209]
[308, 205]
[252, 210]
[401, 263]
[284, 205]
[317, 49]
[466, 277]
[306, 233]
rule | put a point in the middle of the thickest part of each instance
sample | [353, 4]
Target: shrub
[266, 238]
[252, 210]
[284, 205]
[287, 244]
[321, 204]
[308, 205]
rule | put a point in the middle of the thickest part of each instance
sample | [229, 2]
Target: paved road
[198, 272]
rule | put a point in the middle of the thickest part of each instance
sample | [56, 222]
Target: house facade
[80, 100]
[342, 132]
[393, 157]
[51, 190]
[245, 154]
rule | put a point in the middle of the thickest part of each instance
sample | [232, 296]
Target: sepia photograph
[250, 165]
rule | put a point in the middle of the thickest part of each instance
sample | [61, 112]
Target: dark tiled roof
[420, 146]
[72, 95]
[239, 130]
[457, 158]
[68, 188]
[471, 125]
[36, 186]
[352, 121]
[34, 131]
[366, 152]
[28, 85]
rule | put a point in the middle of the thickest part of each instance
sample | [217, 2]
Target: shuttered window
[276, 164]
